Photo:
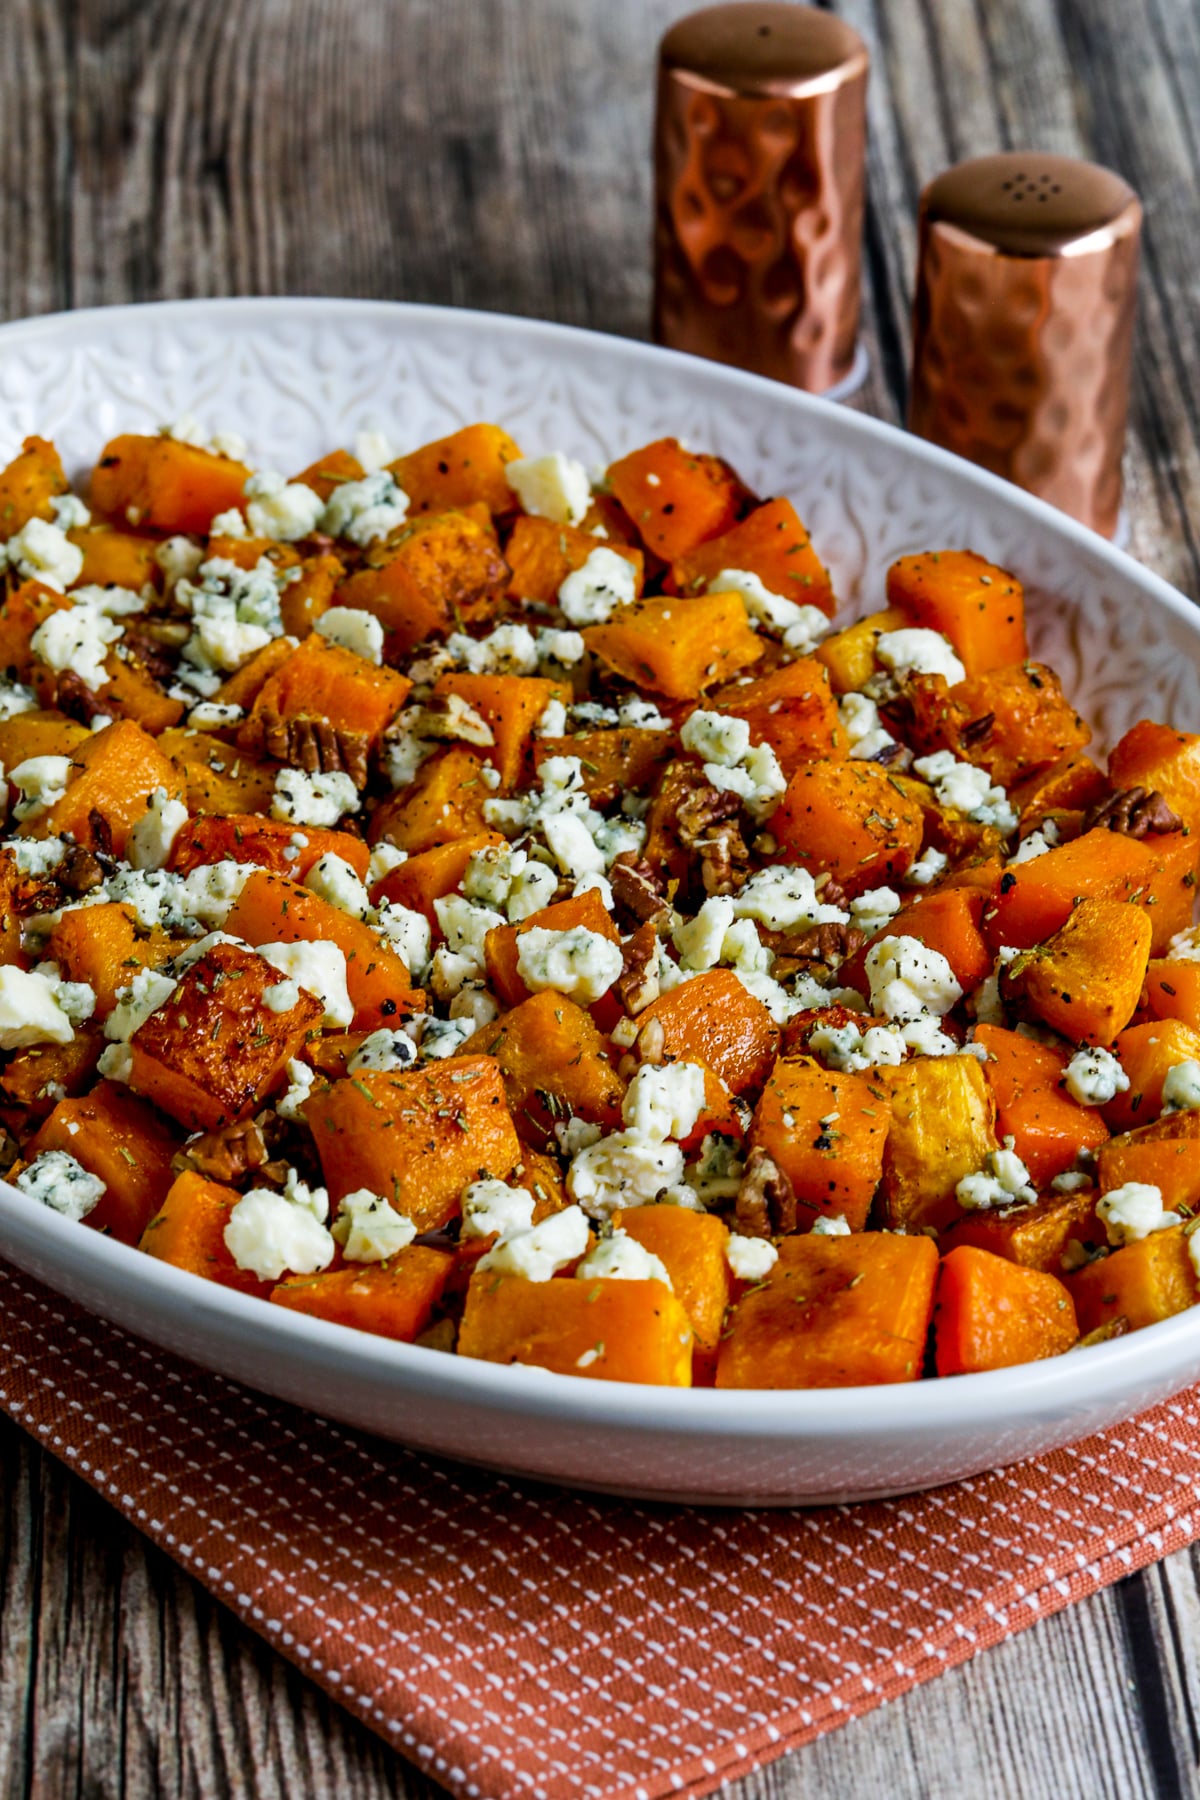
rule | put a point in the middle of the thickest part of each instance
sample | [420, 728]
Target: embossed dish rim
[225, 1328]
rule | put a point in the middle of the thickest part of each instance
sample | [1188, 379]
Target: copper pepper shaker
[759, 151]
[1023, 324]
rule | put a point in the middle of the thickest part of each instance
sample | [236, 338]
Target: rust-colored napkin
[518, 1641]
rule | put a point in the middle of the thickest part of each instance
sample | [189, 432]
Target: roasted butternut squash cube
[432, 874]
[942, 1128]
[541, 554]
[1038, 896]
[851, 819]
[1037, 1235]
[1163, 1155]
[28, 484]
[555, 1064]
[826, 1132]
[715, 1021]
[270, 843]
[991, 1313]
[1086, 980]
[418, 1138]
[1073, 781]
[677, 647]
[1031, 723]
[161, 485]
[833, 1312]
[676, 498]
[220, 779]
[1160, 759]
[97, 944]
[21, 612]
[1173, 990]
[770, 542]
[978, 606]
[39, 733]
[692, 1248]
[325, 686]
[1146, 1281]
[850, 654]
[272, 910]
[126, 1143]
[112, 778]
[329, 472]
[393, 1299]
[113, 558]
[36, 1078]
[214, 1049]
[605, 1330]
[792, 709]
[130, 691]
[465, 469]
[189, 1232]
[947, 921]
[621, 760]
[510, 706]
[442, 806]
[1048, 1127]
[1148, 1053]
[430, 577]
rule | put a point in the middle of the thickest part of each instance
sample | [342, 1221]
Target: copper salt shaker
[1023, 324]
[759, 151]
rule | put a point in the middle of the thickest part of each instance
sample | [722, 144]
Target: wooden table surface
[496, 155]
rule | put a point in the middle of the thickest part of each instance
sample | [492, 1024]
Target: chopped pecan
[637, 984]
[766, 1201]
[101, 833]
[75, 698]
[638, 891]
[889, 753]
[1133, 812]
[829, 945]
[315, 746]
[702, 808]
[830, 891]
[976, 731]
[226, 1154]
[145, 644]
[724, 858]
[80, 870]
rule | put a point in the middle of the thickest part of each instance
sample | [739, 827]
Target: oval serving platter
[296, 376]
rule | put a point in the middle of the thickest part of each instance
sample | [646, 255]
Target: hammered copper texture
[759, 208]
[1022, 363]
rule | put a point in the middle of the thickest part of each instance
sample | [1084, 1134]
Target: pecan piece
[700, 810]
[637, 984]
[143, 644]
[976, 731]
[315, 746]
[80, 870]
[638, 891]
[75, 698]
[1133, 812]
[724, 858]
[766, 1201]
[226, 1154]
[830, 891]
[826, 944]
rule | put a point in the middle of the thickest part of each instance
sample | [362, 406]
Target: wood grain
[498, 157]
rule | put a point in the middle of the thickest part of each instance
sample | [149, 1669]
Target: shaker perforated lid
[759, 152]
[1023, 324]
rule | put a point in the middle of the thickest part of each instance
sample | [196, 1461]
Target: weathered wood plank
[499, 159]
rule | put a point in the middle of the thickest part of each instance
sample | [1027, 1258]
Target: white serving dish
[297, 376]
